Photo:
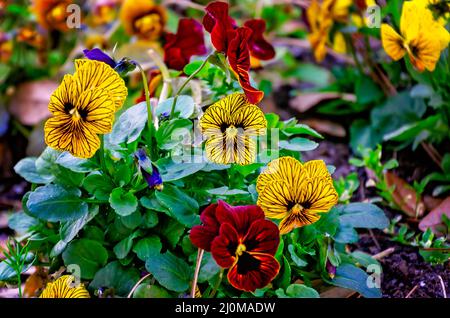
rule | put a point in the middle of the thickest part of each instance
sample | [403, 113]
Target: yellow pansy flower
[52, 14]
[63, 288]
[421, 37]
[145, 19]
[321, 17]
[339, 44]
[441, 8]
[228, 126]
[295, 193]
[84, 106]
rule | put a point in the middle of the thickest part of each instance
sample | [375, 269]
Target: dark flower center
[68, 107]
[296, 207]
[231, 129]
[247, 263]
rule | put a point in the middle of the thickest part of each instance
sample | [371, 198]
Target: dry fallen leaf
[404, 196]
[337, 292]
[434, 218]
[35, 282]
[29, 103]
[324, 126]
[304, 102]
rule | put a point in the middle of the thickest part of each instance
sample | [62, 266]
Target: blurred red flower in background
[187, 42]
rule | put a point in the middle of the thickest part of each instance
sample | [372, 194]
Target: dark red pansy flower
[187, 42]
[219, 23]
[246, 245]
[239, 59]
[203, 235]
[259, 47]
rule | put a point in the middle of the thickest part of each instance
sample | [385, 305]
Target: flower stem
[197, 271]
[216, 286]
[185, 83]
[150, 125]
[102, 155]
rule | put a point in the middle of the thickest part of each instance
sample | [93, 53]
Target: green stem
[19, 281]
[185, 83]
[102, 155]
[150, 125]
[216, 286]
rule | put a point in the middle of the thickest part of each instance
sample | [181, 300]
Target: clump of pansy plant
[181, 199]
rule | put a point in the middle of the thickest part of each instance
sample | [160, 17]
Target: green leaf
[194, 66]
[150, 291]
[89, 255]
[124, 203]
[6, 272]
[69, 230]
[362, 215]
[299, 144]
[181, 206]
[124, 246]
[367, 91]
[117, 277]
[147, 247]
[295, 258]
[352, 277]
[184, 107]
[398, 111]
[226, 191]
[171, 230]
[422, 91]
[98, 185]
[170, 271]
[129, 125]
[75, 164]
[150, 219]
[358, 215]
[22, 223]
[26, 168]
[171, 133]
[46, 165]
[284, 277]
[297, 291]
[311, 73]
[172, 171]
[208, 269]
[54, 203]
[301, 129]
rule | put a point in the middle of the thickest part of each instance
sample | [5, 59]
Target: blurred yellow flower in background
[321, 17]
[62, 288]
[295, 193]
[6, 48]
[52, 14]
[229, 125]
[84, 106]
[421, 37]
[144, 19]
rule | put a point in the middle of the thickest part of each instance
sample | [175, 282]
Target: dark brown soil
[405, 269]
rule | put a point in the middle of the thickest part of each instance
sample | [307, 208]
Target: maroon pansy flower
[240, 239]
[187, 42]
[235, 43]
[258, 45]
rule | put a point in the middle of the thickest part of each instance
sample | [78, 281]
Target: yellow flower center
[231, 132]
[297, 209]
[240, 249]
[148, 23]
[58, 13]
[75, 114]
